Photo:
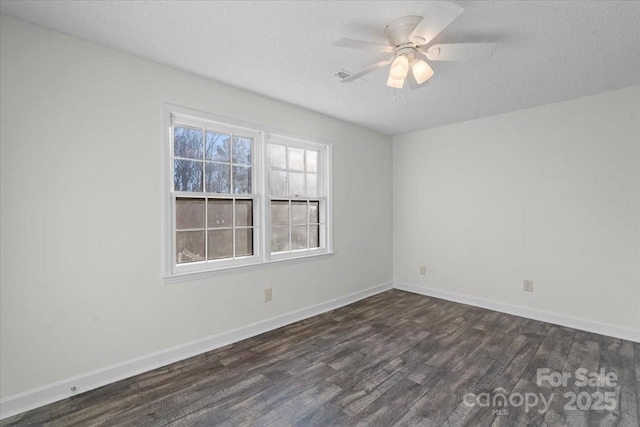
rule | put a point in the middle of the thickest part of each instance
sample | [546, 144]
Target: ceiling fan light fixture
[421, 70]
[395, 83]
[399, 68]
[411, 50]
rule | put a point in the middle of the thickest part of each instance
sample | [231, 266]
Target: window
[296, 196]
[239, 196]
[212, 186]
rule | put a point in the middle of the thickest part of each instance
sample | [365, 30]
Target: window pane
[187, 175]
[189, 213]
[277, 156]
[296, 184]
[314, 216]
[220, 244]
[189, 246]
[244, 213]
[217, 178]
[220, 213]
[242, 150]
[187, 142]
[299, 237]
[298, 212]
[217, 147]
[241, 180]
[278, 183]
[279, 239]
[296, 159]
[312, 184]
[244, 241]
[314, 236]
[312, 161]
[279, 213]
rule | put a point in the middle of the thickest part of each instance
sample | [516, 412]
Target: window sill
[197, 275]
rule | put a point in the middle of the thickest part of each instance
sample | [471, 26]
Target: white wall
[81, 142]
[550, 194]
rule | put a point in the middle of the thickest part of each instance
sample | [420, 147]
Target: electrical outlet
[527, 286]
[423, 270]
[267, 295]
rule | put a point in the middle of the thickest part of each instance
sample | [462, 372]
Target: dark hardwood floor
[396, 358]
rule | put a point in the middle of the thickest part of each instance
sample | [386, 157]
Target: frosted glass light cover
[421, 70]
[396, 84]
[399, 68]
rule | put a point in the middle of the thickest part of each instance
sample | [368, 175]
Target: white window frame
[175, 273]
[323, 197]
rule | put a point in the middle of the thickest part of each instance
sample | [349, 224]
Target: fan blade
[367, 70]
[459, 51]
[436, 20]
[361, 44]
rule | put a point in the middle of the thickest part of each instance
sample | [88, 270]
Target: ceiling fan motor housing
[399, 30]
[409, 52]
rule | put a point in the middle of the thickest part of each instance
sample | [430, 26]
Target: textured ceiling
[546, 51]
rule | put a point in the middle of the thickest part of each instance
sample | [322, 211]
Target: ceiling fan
[409, 38]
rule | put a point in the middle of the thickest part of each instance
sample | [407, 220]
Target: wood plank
[503, 374]
[260, 403]
[440, 401]
[584, 354]
[617, 357]
[552, 354]
[636, 354]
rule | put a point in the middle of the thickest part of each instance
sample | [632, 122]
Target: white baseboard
[41, 396]
[530, 313]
